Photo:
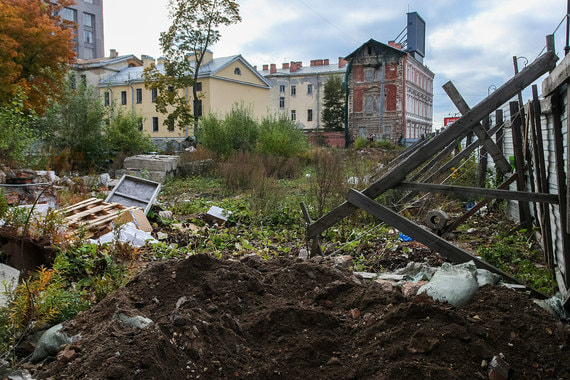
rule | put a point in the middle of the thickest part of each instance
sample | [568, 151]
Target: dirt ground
[293, 319]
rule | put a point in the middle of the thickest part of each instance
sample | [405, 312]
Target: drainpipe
[186, 97]
[318, 103]
[132, 93]
[346, 133]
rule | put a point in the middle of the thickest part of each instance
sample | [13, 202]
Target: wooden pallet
[93, 215]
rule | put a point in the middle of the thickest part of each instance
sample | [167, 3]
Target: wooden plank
[108, 218]
[524, 209]
[561, 181]
[424, 236]
[558, 76]
[499, 138]
[82, 204]
[541, 181]
[394, 176]
[482, 167]
[479, 192]
[490, 146]
[74, 217]
[459, 221]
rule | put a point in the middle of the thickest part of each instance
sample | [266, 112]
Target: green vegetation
[15, 132]
[333, 106]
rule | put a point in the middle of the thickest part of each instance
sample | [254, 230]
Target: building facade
[88, 16]
[390, 94]
[222, 83]
[298, 91]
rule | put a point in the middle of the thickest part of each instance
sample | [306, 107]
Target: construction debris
[134, 191]
[154, 167]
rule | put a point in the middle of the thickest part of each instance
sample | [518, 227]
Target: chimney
[285, 66]
[313, 62]
[395, 45]
[341, 62]
[147, 60]
[113, 53]
[265, 67]
[273, 68]
[326, 62]
[317, 62]
[295, 66]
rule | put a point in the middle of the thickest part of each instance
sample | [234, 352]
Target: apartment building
[89, 37]
[298, 91]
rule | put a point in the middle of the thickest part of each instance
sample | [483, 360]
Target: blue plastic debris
[405, 238]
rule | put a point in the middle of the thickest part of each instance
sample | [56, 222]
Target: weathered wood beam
[479, 192]
[316, 243]
[479, 130]
[394, 176]
[558, 76]
[424, 236]
[482, 167]
[524, 209]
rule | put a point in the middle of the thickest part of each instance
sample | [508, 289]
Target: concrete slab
[9, 278]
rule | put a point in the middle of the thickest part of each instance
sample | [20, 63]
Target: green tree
[74, 125]
[15, 132]
[124, 135]
[333, 107]
[193, 30]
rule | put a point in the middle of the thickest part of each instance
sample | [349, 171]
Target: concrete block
[152, 163]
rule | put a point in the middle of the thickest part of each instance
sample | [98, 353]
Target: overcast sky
[468, 42]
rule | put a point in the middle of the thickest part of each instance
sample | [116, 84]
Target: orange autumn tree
[36, 47]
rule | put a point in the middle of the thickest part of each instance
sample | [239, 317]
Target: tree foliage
[15, 132]
[333, 106]
[36, 47]
[124, 135]
[193, 30]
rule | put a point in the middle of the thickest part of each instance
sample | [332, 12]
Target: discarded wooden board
[93, 215]
[134, 191]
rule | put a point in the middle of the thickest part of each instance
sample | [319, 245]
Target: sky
[470, 42]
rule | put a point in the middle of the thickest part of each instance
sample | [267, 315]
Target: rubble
[153, 167]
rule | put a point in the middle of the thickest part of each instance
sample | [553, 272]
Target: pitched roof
[378, 47]
[208, 70]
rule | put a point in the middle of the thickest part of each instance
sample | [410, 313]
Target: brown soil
[291, 319]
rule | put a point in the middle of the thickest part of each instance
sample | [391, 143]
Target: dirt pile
[293, 319]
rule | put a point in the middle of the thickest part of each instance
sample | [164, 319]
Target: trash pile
[205, 318]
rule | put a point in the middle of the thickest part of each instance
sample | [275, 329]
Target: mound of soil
[302, 319]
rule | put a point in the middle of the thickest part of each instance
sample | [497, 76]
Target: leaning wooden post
[316, 243]
[482, 167]
[524, 210]
[499, 140]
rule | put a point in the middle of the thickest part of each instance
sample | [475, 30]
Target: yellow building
[222, 82]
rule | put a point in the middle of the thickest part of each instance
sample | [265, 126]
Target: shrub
[280, 137]
[328, 185]
[385, 144]
[237, 131]
[15, 134]
[282, 167]
[361, 143]
[124, 136]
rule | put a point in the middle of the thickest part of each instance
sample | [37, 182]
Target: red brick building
[390, 93]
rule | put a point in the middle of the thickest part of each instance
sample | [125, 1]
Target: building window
[89, 53]
[293, 90]
[282, 102]
[69, 14]
[309, 115]
[88, 36]
[155, 124]
[89, 20]
[198, 86]
[309, 89]
[237, 71]
[123, 97]
[369, 75]
[170, 88]
[73, 82]
[107, 98]
[282, 88]
[153, 94]
[369, 105]
[140, 125]
[139, 95]
[293, 115]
